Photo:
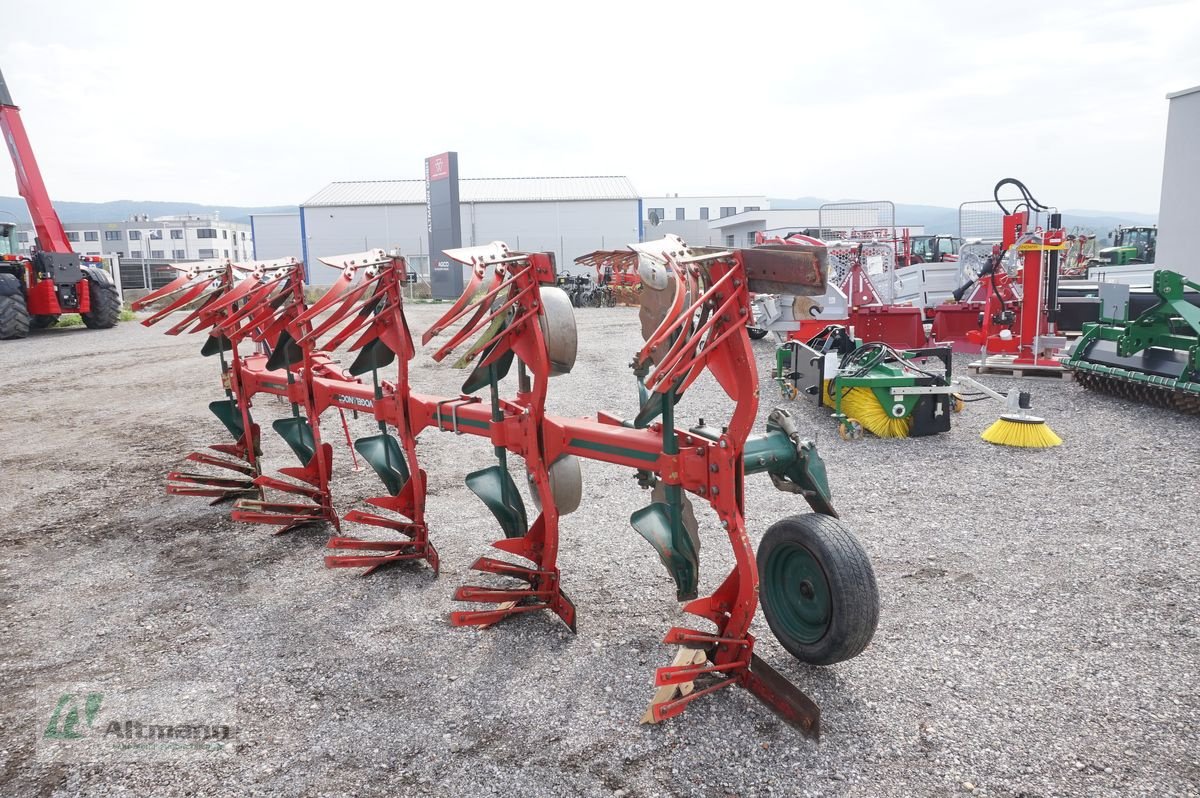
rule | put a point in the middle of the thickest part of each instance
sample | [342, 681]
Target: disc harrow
[512, 331]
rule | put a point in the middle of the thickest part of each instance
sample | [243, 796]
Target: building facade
[742, 229]
[691, 217]
[164, 238]
[1179, 205]
[569, 216]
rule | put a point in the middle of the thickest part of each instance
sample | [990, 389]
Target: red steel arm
[50, 233]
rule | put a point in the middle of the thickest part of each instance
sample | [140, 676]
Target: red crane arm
[50, 233]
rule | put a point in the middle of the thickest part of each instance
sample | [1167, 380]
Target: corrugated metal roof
[476, 189]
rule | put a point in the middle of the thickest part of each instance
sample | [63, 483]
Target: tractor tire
[41, 322]
[104, 299]
[14, 315]
[818, 589]
[756, 333]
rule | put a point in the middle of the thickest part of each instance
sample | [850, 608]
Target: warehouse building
[569, 216]
[1179, 206]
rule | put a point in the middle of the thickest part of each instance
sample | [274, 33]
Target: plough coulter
[512, 331]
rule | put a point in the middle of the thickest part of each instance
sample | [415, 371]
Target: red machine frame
[703, 330]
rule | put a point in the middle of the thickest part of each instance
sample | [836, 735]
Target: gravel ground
[1038, 633]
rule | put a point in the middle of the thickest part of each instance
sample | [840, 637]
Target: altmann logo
[136, 730]
[77, 716]
[64, 721]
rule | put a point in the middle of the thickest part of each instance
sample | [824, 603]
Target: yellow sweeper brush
[861, 405]
[1018, 428]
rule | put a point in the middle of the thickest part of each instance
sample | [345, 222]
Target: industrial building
[163, 238]
[690, 217]
[1180, 202]
[742, 229]
[569, 216]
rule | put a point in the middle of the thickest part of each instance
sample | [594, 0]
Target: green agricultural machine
[1154, 358]
[1130, 245]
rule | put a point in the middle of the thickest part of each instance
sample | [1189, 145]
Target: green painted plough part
[1155, 358]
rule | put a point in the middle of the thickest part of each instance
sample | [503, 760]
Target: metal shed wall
[1179, 206]
[567, 228]
[277, 235]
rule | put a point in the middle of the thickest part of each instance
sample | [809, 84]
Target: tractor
[1130, 245]
[53, 279]
[932, 249]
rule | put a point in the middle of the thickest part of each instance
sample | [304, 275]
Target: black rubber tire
[14, 317]
[756, 333]
[852, 593]
[44, 321]
[105, 301]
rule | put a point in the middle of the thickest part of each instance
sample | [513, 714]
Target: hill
[119, 210]
[939, 220]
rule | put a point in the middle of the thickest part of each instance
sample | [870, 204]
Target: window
[704, 213]
[23, 238]
[750, 238]
[91, 235]
[243, 235]
[225, 234]
[72, 235]
[135, 253]
[208, 253]
[176, 235]
[751, 208]
[135, 235]
[96, 254]
[729, 241]
[226, 252]
[656, 215]
[156, 235]
[728, 211]
[178, 254]
[206, 232]
[112, 235]
[120, 254]
[157, 254]
[679, 214]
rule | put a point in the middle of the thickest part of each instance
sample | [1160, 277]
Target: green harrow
[1153, 359]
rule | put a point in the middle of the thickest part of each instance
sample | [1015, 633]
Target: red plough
[815, 581]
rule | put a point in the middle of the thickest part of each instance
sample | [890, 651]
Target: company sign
[443, 222]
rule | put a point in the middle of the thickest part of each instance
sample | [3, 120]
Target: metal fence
[983, 219]
[869, 232]
[138, 274]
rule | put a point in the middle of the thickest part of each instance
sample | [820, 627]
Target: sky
[264, 103]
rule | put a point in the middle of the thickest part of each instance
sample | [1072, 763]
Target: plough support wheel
[817, 588]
